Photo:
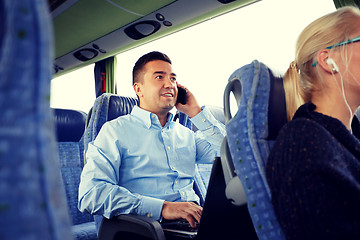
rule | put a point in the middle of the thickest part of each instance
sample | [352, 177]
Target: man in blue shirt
[144, 163]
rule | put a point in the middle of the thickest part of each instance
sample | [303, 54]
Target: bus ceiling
[87, 31]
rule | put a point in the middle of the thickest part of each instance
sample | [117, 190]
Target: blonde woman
[314, 167]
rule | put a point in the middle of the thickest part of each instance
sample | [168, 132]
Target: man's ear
[138, 89]
[322, 59]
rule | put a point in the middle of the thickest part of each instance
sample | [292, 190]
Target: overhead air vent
[142, 29]
[85, 54]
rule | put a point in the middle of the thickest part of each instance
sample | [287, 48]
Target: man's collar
[149, 118]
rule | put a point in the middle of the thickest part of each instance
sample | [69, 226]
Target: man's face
[157, 89]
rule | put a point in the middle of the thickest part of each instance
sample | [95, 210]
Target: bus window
[205, 55]
[75, 90]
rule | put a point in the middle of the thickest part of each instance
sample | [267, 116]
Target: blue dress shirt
[135, 164]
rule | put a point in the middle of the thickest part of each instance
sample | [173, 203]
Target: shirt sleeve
[209, 137]
[99, 192]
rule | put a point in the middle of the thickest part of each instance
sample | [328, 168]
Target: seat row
[32, 204]
[75, 129]
[253, 129]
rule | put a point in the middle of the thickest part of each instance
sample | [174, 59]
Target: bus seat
[110, 106]
[70, 127]
[32, 197]
[250, 136]
[107, 106]
[203, 171]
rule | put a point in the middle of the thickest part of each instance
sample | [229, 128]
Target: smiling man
[144, 163]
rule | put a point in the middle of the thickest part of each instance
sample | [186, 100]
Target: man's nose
[169, 83]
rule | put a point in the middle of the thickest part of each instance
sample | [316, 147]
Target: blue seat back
[110, 106]
[70, 127]
[202, 171]
[250, 136]
[32, 196]
[107, 107]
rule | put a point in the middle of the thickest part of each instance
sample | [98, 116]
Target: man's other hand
[189, 211]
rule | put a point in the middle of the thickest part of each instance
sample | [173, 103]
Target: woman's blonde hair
[302, 79]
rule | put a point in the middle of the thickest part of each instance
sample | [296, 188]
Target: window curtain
[105, 72]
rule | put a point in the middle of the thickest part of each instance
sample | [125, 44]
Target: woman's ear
[326, 62]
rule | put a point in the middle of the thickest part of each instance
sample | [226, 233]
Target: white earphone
[331, 61]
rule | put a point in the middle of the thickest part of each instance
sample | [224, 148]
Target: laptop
[219, 219]
[179, 228]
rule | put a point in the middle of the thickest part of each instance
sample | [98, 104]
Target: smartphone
[182, 96]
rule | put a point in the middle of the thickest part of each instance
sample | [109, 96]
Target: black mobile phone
[182, 96]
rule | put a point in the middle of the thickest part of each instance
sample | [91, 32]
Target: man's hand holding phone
[182, 96]
[186, 102]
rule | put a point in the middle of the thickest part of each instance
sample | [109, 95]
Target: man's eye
[159, 77]
[173, 79]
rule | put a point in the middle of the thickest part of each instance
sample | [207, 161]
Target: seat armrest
[130, 225]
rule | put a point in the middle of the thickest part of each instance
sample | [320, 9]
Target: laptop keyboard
[181, 225]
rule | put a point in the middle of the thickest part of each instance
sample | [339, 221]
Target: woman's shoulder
[300, 139]
[303, 128]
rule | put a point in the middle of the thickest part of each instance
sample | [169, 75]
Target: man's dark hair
[151, 56]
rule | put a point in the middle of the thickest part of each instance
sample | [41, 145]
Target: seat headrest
[70, 124]
[275, 96]
[119, 106]
[115, 106]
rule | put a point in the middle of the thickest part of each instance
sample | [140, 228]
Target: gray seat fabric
[70, 127]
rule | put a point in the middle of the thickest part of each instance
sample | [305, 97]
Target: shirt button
[176, 182]
[149, 215]
[183, 193]
[173, 168]
[169, 148]
[204, 120]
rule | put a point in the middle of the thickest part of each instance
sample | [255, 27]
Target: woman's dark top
[314, 175]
